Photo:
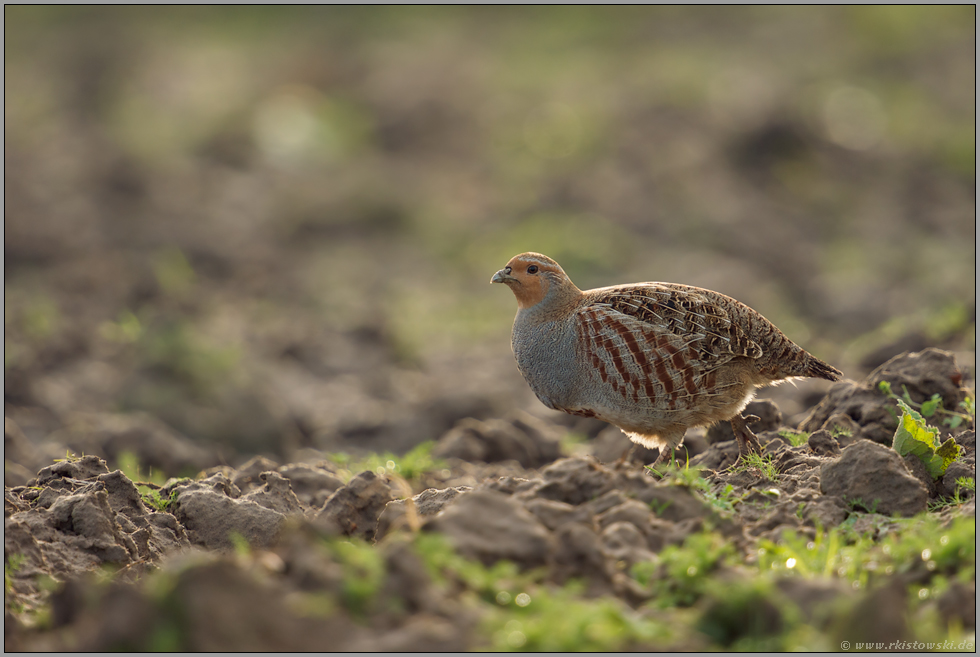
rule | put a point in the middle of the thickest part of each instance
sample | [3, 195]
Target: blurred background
[271, 229]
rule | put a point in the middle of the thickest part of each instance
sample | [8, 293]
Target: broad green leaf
[934, 465]
[914, 436]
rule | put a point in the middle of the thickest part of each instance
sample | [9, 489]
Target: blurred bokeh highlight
[273, 228]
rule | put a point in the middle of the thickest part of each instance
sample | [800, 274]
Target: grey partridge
[653, 359]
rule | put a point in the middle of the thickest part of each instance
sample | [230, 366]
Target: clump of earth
[506, 532]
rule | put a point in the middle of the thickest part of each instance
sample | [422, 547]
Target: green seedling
[364, 571]
[761, 463]
[153, 499]
[411, 466]
[795, 438]
[857, 504]
[522, 612]
[963, 484]
[933, 405]
[70, 457]
[956, 419]
[691, 478]
[683, 573]
[914, 436]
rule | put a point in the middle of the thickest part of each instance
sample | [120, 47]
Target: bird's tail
[818, 369]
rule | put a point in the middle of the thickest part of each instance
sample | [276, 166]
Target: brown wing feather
[687, 312]
[660, 342]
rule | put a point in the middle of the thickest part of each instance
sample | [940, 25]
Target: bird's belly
[650, 415]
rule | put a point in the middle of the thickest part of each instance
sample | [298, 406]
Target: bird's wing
[656, 339]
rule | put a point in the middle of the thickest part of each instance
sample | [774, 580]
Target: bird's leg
[747, 441]
[627, 455]
[652, 468]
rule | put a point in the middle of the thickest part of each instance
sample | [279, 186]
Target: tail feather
[818, 369]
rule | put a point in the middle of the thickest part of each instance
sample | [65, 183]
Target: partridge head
[653, 359]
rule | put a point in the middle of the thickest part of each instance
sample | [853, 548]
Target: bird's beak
[502, 276]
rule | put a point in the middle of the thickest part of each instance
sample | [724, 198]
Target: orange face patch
[529, 283]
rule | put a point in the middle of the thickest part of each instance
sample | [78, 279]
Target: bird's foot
[748, 443]
[626, 457]
[652, 468]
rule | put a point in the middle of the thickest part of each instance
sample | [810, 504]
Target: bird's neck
[558, 301]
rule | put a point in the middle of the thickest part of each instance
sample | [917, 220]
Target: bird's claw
[748, 443]
[652, 468]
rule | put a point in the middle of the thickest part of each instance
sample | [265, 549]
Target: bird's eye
[533, 269]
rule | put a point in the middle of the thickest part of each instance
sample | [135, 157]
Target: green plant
[559, 620]
[743, 613]
[70, 457]
[682, 574]
[444, 564]
[130, 466]
[12, 563]
[761, 463]
[857, 504]
[957, 419]
[522, 612]
[41, 318]
[928, 544]
[795, 438]
[571, 442]
[724, 500]
[904, 544]
[798, 554]
[148, 485]
[240, 544]
[914, 436]
[410, 466]
[933, 405]
[153, 499]
[173, 273]
[363, 573]
[962, 484]
[721, 500]
[177, 348]
[125, 331]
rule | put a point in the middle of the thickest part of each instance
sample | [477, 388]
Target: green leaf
[914, 436]
[930, 406]
[934, 466]
[949, 451]
[970, 405]
[953, 421]
[908, 409]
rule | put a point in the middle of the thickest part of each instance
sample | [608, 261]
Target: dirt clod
[875, 478]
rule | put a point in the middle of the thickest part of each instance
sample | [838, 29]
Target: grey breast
[546, 357]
